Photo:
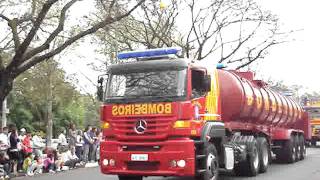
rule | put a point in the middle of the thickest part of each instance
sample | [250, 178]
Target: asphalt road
[308, 169]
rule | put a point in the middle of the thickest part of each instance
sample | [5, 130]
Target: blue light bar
[221, 66]
[149, 53]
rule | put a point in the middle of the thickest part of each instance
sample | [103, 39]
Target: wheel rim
[255, 159]
[212, 165]
[298, 152]
[265, 156]
[293, 153]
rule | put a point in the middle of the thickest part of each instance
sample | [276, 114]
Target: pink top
[48, 161]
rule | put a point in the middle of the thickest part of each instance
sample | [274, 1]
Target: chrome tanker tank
[244, 99]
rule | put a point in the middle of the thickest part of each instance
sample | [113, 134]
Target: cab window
[197, 77]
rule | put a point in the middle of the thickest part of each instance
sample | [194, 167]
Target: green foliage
[22, 117]
[29, 100]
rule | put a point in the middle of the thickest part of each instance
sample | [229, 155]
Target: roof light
[149, 53]
[221, 66]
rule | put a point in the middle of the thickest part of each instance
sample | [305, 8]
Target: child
[48, 164]
[29, 165]
[58, 162]
[39, 165]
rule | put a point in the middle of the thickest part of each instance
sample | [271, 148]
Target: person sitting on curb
[39, 165]
[49, 163]
[29, 165]
[69, 159]
[5, 162]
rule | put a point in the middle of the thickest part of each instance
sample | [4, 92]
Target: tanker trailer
[167, 116]
[249, 106]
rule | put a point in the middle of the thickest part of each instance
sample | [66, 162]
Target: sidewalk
[37, 176]
[77, 174]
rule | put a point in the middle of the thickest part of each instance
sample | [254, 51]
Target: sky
[295, 63]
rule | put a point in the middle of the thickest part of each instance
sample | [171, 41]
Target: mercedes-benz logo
[141, 126]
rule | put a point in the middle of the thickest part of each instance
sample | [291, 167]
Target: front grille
[143, 166]
[141, 148]
[156, 128]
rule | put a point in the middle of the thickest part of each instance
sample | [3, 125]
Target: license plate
[139, 157]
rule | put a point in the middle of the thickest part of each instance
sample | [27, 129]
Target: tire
[249, 167]
[302, 147]
[264, 154]
[210, 163]
[298, 147]
[313, 142]
[125, 177]
[288, 152]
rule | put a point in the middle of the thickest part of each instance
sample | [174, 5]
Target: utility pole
[4, 113]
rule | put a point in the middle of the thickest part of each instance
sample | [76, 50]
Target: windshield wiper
[166, 98]
[143, 98]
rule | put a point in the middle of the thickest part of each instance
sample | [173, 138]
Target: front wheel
[125, 177]
[211, 163]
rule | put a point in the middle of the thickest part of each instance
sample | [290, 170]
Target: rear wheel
[125, 177]
[298, 147]
[264, 152]
[302, 144]
[289, 151]
[249, 167]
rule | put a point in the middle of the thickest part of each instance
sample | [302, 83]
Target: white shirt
[66, 156]
[79, 141]
[37, 141]
[4, 139]
[62, 139]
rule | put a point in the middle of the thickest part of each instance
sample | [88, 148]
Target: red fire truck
[167, 116]
[314, 113]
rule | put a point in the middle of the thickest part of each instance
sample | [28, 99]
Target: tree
[227, 31]
[295, 91]
[33, 25]
[44, 97]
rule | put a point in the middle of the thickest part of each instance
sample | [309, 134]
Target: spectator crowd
[20, 152]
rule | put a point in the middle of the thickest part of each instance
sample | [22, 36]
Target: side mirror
[206, 83]
[100, 88]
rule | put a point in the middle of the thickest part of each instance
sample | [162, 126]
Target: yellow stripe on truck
[212, 97]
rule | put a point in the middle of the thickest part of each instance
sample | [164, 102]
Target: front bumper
[158, 163]
[316, 137]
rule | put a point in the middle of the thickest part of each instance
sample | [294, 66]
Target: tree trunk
[49, 111]
[5, 87]
[4, 113]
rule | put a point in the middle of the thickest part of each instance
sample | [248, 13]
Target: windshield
[152, 85]
[316, 126]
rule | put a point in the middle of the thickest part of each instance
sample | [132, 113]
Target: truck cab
[314, 114]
